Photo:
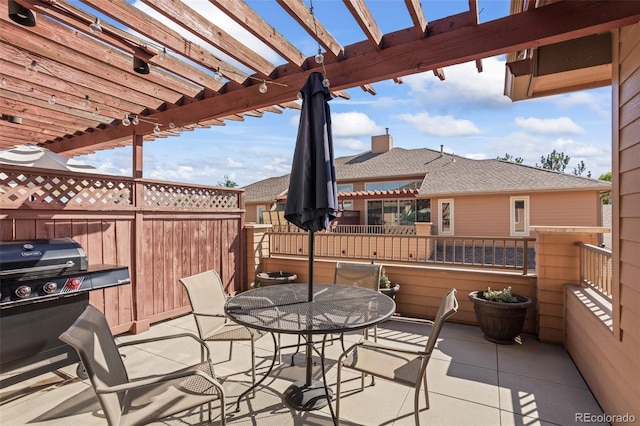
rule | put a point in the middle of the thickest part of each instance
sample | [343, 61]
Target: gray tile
[471, 382]
[544, 400]
[538, 360]
[464, 382]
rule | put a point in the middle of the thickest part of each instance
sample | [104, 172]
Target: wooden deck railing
[596, 268]
[354, 229]
[489, 252]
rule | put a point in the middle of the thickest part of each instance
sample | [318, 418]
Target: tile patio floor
[471, 382]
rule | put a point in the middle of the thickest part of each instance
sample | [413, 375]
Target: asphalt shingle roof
[443, 174]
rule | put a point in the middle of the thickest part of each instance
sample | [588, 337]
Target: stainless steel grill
[44, 287]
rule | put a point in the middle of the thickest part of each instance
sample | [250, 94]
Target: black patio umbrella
[312, 203]
[312, 199]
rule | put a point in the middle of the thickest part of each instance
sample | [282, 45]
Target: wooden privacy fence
[515, 253]
[162, 231]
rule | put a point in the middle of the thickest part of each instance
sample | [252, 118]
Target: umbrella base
[306, 397]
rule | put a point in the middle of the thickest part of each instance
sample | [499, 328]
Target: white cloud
[353, 124]
[352, 144]
[549, 126]
[462, 84]
[233, 163]
[440, 125]
[598, 101]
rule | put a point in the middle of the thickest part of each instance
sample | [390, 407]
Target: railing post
[557, 264]
[525, 257]
[257, 248]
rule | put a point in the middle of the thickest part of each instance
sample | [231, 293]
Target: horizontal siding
[488, 215]
[565, 209]
[422, 287]
[610, 367]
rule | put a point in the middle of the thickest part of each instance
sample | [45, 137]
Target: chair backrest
[207, 298]
[366, 275]
[91, 337]
[448, 307]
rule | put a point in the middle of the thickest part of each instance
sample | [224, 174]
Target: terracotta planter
[500, 322]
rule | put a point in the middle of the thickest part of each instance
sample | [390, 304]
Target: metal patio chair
[400, 365]
[146, 399]
[365, 275]
[207, 298]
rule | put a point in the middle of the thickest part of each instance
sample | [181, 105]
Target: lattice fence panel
[164, 195]
[36, 188]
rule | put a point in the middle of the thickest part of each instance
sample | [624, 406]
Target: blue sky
[467, 113]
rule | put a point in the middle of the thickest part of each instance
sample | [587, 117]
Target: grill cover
[29, 259]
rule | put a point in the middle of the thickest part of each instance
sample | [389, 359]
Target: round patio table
[286, 309]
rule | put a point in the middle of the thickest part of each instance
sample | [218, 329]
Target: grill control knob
[50, 287]
[23, 291]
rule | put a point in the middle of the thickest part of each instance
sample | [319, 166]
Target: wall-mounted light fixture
[21, 15]
[32, 67]
[140, 66]
[95, 26]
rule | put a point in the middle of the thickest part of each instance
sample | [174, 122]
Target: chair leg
[293, 357]
[230, 349]
[426, 390]
[416, 405]
[279, 350]
[338, 393]
[253, 366]
[223, 414]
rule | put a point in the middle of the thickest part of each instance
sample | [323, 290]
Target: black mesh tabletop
[286, 309]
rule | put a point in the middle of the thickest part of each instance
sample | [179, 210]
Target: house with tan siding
[457, 196]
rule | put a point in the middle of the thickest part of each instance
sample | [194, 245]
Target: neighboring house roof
[266, 191]
[459, 176]
[393, 163]
[441, 173]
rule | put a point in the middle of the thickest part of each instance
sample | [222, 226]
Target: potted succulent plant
[385, 286]
[500, 313]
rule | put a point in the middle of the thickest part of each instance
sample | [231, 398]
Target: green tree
[578, 171]
[508, 157]
[606, 196]
[228, 183]
[556, 161]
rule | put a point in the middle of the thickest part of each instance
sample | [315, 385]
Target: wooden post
[140, 322]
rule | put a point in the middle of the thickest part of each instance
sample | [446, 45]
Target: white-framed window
[259, 210]
[391, 212]
[519, 216]
[344, 187]
[445, 216]
[390, 186]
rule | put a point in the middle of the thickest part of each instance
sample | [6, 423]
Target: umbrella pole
[310, 289]
[308, 394]
[311, 254]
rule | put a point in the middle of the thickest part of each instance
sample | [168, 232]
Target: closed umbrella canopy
[312, 199]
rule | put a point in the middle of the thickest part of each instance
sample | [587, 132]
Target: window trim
[451, 216]
[260, 207]
[512, 218]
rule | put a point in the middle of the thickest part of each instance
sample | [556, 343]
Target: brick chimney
[382, 143]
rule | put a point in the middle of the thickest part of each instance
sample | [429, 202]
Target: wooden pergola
[90, 73]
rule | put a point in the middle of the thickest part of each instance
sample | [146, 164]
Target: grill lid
[27, 259]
